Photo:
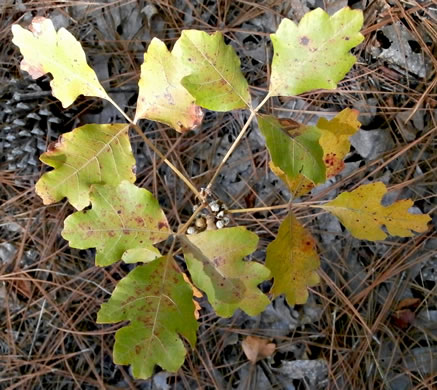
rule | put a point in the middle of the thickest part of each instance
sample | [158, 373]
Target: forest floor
[372, 321]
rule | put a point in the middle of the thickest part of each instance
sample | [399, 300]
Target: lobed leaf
[215, 78]
[91, 154]
[315, 53]
[161, 96]
[293, 260]
[294, 155]
[361, 212]
[124, 222]
[59, 53]
[334, 140]
[158, 303]
[215, 261]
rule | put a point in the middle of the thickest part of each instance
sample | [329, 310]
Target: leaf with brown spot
[293, 260]
[159, 305]
[215, 261]
[314, 54]
[162, 97]
[111, 225]
[361, 212]
[59, 53]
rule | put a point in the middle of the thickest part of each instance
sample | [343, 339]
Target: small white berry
[191, 230]
[220, 224]
[214, 206]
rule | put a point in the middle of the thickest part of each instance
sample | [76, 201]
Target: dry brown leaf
[256, 348]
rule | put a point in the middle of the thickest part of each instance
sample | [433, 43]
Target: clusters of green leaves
[94, 164]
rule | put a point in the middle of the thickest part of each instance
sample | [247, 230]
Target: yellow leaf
[334, 139]
[361, 212]
[59, 53]
[255, 348]
[293, 260]
[162, 97]
[298, 185]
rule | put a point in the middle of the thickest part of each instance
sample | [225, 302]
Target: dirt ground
[372, 321]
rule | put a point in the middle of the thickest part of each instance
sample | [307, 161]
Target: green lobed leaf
[314, 54]
[158, 303]
[161, 96]
[215, 78]
[362, 213]
[334, 141]
[293, 261]
[91, 154]
[59, 53]
[294, 154]
[215, 261]
[124, 222]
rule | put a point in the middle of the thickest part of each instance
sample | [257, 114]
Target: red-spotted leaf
[314, 54]
[162, 97]
[215, 261]
[363, 214]
[59, 53]
[334, 139]
[124, 222]
[293, 260]
[159, 305]
[215, 78]
[91, 154]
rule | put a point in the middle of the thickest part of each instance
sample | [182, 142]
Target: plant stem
[253, 112]
[157, 151]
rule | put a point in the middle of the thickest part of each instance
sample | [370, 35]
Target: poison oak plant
[93, 169]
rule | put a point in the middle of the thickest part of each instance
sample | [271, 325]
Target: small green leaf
[59, 53]
[294, 154]
[215, 261]
[314, 54]
[159, 305]
[215, 78]
[91, 154]
[361, 212]
[124, 221]
[293, 260]
[162, 97]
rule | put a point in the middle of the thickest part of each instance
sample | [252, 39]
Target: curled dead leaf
[256, 348]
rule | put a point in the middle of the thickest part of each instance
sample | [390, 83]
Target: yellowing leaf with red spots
[293, 260]
[162, 97]
[315, 53]
[215, 78]
[158, 303]
[215, 261]
[361, 212]
[334, 139]
[123, 223]
[59, 53]
[90, 154]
